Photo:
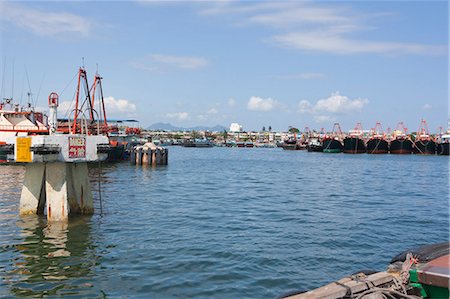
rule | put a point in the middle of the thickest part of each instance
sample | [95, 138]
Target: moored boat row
[378, 142]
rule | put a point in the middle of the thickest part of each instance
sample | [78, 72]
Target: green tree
[263, 128]
[225, 135]
[293, 130]
[270, 128]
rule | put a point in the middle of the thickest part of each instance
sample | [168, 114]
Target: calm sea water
[226, 223]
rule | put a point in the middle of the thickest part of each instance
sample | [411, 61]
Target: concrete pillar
[158, 157]
[82, 202]
[64, 187]
[133, 157]
[153, 157]
[144, 157]
[57, 191]
[139, 156]
[32, 199]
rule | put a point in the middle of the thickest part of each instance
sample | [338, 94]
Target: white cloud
[114, 108]
[337, 103]
[323, 118]
[64, 108]
[260, 104]
[305, 107]
[231, 102]
[44, 23]
[310, 26]
[119, 107]
[325, 110]
[155, 62]
[178, 115]
[427, 106]
[212, 111]
[337, 43]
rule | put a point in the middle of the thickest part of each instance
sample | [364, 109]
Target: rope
[100, 186]
[409, 261]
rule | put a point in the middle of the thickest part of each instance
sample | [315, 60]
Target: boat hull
[425, 147]
[116, 153]
[401, 146]
[354, 145]
[377, 146]
[290, 146]
[315, 148]
[443, 149]
[332, 146]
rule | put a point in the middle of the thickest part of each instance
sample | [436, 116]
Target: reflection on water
[54, 259]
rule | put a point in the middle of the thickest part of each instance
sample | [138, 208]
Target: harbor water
[225, 223]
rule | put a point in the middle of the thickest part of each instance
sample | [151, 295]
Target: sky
[257, 63]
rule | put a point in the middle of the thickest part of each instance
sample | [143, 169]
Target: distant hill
[170, 127]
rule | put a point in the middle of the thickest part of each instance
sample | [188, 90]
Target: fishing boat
[354, 142]
[315, 145]
[401, 143]
[377, 144]
[422, 272]
[18, 121]
[424, 144]
[197, 143]
[442, 147]
[290, 144]
[332, 143]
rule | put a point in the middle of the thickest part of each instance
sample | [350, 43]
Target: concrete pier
[56, 177]
[149, 154]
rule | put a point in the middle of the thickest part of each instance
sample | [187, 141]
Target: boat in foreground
[418, 273]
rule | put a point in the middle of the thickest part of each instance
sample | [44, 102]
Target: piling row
[148, 155]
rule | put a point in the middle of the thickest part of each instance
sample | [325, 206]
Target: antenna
[3, 76]
[39, 91]
[29, 86]
[12, 84]
[82, 60]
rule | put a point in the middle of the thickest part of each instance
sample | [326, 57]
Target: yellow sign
[23, 152]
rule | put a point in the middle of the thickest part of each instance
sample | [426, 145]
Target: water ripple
[251, 223]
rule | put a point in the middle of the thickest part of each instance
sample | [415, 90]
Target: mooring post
[139, 156]
[56, 173]
[144, 156]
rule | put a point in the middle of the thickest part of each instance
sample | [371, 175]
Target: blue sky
[258, 63]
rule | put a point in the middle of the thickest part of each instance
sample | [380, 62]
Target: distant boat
[377, 144]
[443, 146]
[314, 145]
[354, 143]
[332, 143]
[197, 143]
[290, 144]
[424, 143]
[18, 121]
[401, 144]
[240, 144]
[249, 144]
